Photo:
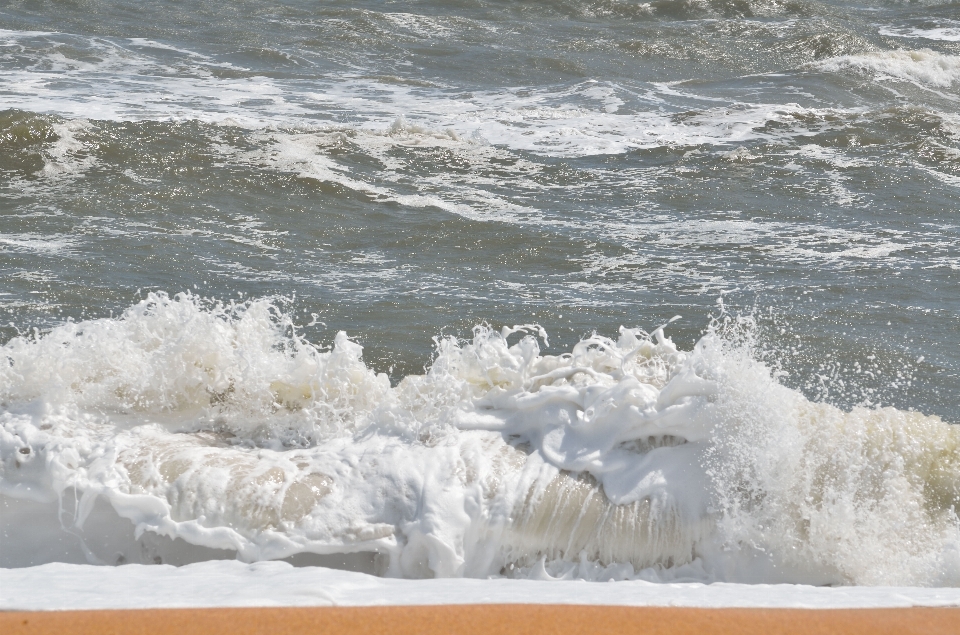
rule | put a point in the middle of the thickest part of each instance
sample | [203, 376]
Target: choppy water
[408, 171]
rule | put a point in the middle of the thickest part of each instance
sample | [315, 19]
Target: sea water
[608, 290]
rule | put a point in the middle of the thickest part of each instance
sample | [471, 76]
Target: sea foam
[218, 427]
[922, 67]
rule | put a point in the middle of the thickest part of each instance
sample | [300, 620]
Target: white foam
[37, 243]
[141, 79]
[123, 80]
[922, 67]
[422, 25]
[68, 156]
[218, 426]
[233, 584]
[942, 34]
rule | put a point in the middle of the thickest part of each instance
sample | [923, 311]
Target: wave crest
[218, 425]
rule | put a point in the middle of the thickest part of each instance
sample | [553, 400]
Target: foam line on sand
[228, 583]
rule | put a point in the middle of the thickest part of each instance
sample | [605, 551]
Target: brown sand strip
[479, 619]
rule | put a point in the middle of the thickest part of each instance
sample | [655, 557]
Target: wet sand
[479, 619]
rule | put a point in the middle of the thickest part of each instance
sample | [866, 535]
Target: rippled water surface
[407, 170]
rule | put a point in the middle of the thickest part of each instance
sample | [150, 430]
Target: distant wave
[923, 67]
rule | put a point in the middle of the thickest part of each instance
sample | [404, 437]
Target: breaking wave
[922, 67]
[218, 427]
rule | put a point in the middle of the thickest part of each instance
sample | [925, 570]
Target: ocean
[659, 291]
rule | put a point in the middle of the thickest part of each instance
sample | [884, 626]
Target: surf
[199, 429]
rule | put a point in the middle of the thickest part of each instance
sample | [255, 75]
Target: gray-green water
[406, 171]
[401, 170]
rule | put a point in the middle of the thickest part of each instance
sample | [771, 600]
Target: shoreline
[232, 584]
[477, 619]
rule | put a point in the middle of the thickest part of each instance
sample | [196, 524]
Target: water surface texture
[208, 208]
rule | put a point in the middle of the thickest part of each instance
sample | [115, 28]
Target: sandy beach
[482, 619]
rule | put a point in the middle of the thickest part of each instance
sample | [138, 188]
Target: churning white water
[184, 430]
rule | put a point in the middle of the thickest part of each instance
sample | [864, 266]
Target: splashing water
[218, 426]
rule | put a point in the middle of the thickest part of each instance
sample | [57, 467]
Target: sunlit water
[783, 176]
